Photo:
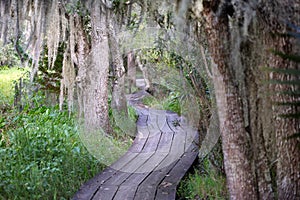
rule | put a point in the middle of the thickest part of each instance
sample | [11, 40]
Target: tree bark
[240, 35]
[95, 97]
[276, 16]
[145, 68]
[245, 159]
[131, 71]
[119, 102]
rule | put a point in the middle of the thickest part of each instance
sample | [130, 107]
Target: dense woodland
[241, 58]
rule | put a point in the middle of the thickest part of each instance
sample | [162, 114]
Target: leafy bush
[41, 156]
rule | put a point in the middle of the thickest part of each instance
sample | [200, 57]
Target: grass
[7, 78]
[41, 154]
[203, 184]
[170, 102]
[42, 157]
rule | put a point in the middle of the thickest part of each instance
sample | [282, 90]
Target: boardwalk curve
[162, 152]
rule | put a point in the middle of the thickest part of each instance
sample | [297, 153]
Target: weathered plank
[88, 190]
[165, 142]
[125, 192]
[152, 143]
[167, 188]
[147, 189]
[162, 152]
[105, 192]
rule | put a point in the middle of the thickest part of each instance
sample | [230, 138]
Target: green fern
[294, 83]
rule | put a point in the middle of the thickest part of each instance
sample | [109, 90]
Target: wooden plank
[162, 152]
[140, 140]
[168, 194]
[147, 193]
[142, 120]
[152, 143]
[177, 148]
[135, 179]
[175, 152]
[147, 188]
[128, 169]
[153, 128]
[88, 189]
[167, 188]
[192, 139]
[146, 169]
[105, 193]
[147, 151]
[125, 159]
[161, 120]
[152, 163]
[174, 122]
[137, 162]
[165, 127]
[125, 193]
[156, 120]
[138, 145]
[165, 142]
[117, 179]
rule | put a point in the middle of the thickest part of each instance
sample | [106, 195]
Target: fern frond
[291, 57]
[295, 135]
[292, 115]
[296, 103]
[292, 82]
[283, 71]
[291, 93]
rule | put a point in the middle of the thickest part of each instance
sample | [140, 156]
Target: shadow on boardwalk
[162, 152]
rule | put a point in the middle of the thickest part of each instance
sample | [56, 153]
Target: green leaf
[296, 103]
[293, 82]
[295, 135]
[291, 57]
[292, 115]
[284, 71]
[291, 93]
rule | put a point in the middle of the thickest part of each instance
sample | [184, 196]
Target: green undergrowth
[41, 156]
[7, 78]
[204, 183]
[170, 102]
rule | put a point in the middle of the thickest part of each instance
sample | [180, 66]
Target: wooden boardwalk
[161, 154]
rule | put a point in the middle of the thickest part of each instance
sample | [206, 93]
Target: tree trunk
[131, 71]
[4, 14]
[95, 94]
[119, 103]
[276, 16]
[235, 140]
[239, 40]
[145, 68]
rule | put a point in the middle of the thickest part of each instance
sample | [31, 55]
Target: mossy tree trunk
[119, 102]
[254, 136]
[95, 92]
